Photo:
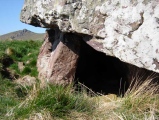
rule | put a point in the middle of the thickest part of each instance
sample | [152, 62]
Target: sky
[10, 17]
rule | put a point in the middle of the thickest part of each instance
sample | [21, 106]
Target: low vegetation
[54, 102]
[12, 52]
[141, 102]
[58, 101]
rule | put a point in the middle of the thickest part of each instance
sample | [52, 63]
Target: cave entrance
[101, 73]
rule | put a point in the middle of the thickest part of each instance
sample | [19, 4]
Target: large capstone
[126, 29]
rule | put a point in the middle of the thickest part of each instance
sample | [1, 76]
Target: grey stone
[128, 30]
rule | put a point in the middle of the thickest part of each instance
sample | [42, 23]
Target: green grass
[21, 51]
[8, 95]
[11, 94]
[20, 102]
[58, 100]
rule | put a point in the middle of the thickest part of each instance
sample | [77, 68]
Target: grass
[12, 52]
[59, 101]
[142, 99]
[54, 102]
[8, 95]
[141, 102]
[20, 51]
[20, 102]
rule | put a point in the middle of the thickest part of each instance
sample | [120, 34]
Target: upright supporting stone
[58, 57]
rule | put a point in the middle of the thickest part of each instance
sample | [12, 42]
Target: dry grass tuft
[138, 86]
[140, 102]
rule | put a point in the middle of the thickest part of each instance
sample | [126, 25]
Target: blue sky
[10, 17]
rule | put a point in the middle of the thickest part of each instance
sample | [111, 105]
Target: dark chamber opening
[101, 73]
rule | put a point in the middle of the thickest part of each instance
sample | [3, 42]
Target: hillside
[22, 35]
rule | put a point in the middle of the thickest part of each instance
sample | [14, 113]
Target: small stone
[21, 66]
[26, 81]
[9, 51]
[29, 54]
[28, 62]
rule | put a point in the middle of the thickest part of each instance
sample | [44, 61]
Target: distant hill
[22, 35]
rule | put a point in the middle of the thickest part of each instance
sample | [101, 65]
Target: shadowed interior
[101, 73]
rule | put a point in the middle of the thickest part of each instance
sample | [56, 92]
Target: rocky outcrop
[125, 29]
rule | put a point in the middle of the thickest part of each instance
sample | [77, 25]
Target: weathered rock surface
[128, 30]
[58, 57]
